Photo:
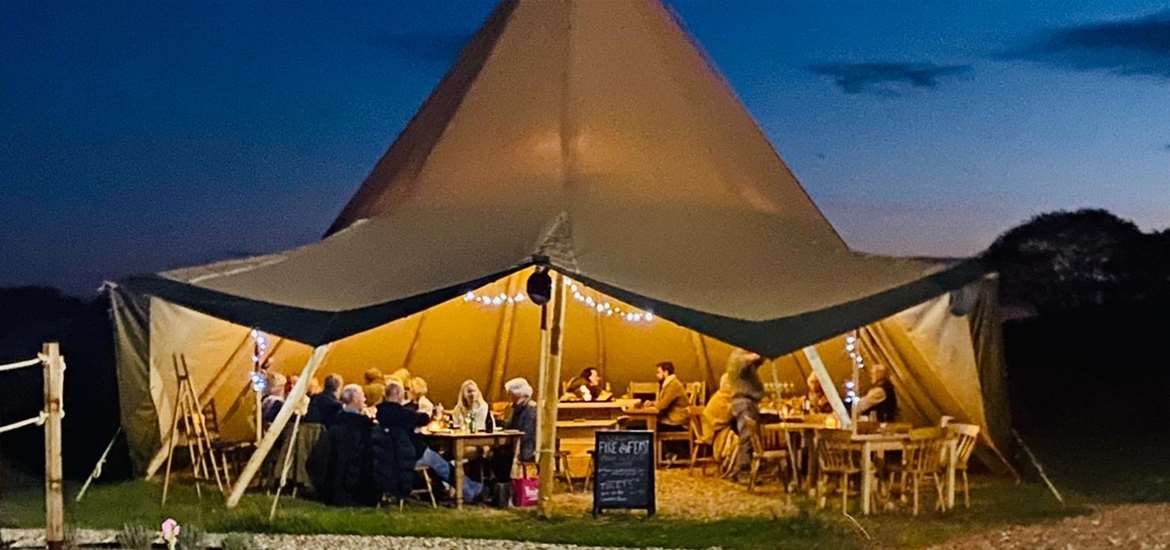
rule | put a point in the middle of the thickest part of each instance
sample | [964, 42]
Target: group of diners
[373, 437]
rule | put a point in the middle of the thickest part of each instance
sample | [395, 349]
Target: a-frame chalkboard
[623, 471]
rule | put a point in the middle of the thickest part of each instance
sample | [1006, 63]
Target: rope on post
[21, 364]
[37, 420]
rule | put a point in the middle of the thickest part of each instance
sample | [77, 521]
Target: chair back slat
[967, 436]
[836, 453]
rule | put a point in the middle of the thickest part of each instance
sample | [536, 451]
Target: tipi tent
[592, 138]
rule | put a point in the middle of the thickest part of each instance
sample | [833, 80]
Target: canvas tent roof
[594, 137]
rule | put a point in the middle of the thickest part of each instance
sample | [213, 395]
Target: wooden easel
[194, 431]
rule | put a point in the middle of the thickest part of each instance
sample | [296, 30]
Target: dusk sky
[144, 136]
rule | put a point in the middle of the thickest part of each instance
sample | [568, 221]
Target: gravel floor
[35, 538]
[1134, 526]
[700, 498]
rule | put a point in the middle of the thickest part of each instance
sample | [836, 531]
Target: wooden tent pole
[54, 411]
[551, 342]
[818, 367]
[704, 363]
[286, 411]
[414, 339]
[600, 322]
[503, 340]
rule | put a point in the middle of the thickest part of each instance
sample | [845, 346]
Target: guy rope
[50, 417]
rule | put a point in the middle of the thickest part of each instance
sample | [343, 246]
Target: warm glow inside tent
[595, 139]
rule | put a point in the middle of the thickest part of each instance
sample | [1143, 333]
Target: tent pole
[503, 340]
[704, 363]
[826, 381]
[599, 322]
[286, 410]
[414, 338]
[548, 394]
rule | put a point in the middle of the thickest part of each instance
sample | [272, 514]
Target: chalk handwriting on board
[624, 471]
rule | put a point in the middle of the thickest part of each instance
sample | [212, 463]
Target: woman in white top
[471, 405]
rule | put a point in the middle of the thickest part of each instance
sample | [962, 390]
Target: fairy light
[580, 295]
[259, 376]
[853, 349]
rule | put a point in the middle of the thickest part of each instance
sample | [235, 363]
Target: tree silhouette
[1063, 260]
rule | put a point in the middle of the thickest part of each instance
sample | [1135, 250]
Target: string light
[602, 307]
[259, 376]
[496, 300]
[854, 351]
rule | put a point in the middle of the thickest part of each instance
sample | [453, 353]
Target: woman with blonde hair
[471, 409]
[417, 393]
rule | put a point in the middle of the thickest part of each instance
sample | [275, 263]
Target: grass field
[1090, 471]
[997, 502]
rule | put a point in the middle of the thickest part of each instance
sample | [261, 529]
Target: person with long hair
[471, 409]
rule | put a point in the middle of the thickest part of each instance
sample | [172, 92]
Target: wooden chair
[699, 440]
[688, 435]
[696, 393]
[839, 456]
[770, 444]
[966, 435]
[922, 458]
[428, 490]
[642, 388]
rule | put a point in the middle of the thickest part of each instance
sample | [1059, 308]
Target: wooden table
[459, 442]
[591, 410]
[649, 415]
[871, 443]
[582, 429]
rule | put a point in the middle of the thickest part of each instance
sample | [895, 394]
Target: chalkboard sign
[623, 470]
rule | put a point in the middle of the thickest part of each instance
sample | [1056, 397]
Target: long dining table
[459, 442]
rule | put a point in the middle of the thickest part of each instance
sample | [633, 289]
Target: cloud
[1128, 47]
[886, 79]
[424, 46]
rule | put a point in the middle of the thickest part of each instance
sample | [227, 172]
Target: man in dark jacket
[324, 407]
[396, 446]
[340, 462]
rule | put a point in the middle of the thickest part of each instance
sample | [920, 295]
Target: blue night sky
[139, 137]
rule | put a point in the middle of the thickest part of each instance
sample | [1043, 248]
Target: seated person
[717, 413]
[880, 400]
[273, 398]
[587, 387]
[818, 403]
[402, 422]
[672, 400]
[340, 462]
[416, 394]
[324, 406]
[471, 410]
[374, 386]
[522, 417]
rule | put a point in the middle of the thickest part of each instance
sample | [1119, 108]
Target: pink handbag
[525, 489]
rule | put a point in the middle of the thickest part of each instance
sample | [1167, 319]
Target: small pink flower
[170, 530]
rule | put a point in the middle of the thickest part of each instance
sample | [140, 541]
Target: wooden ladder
[189, 422]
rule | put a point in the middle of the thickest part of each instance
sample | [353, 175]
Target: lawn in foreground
[109, 506]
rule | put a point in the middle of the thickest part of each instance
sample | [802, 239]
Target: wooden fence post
[54, 411]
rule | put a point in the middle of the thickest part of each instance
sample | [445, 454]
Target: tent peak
[555, 102]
